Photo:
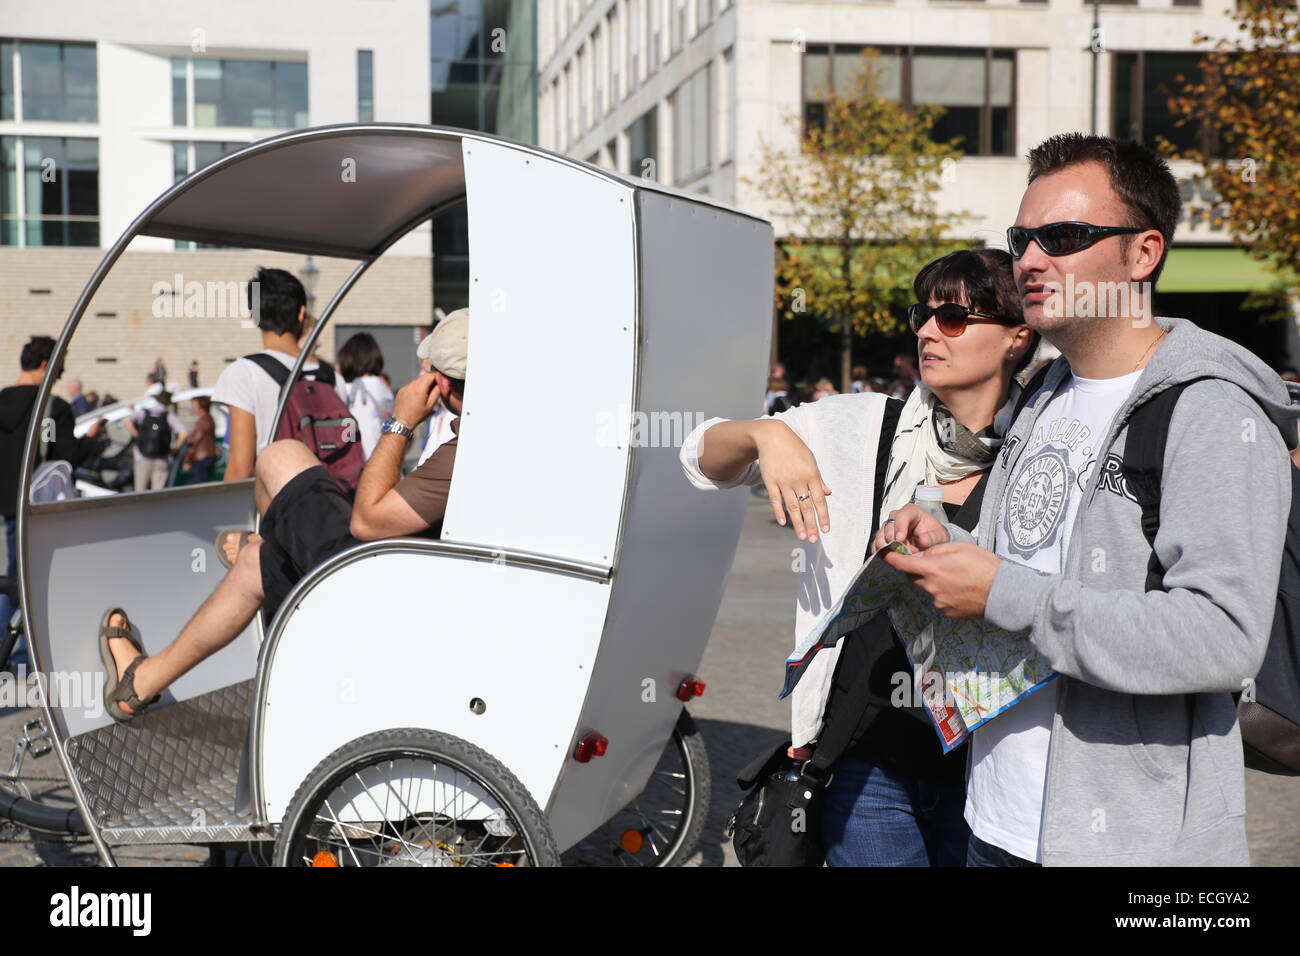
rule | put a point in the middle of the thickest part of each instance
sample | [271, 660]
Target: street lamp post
[308, 275]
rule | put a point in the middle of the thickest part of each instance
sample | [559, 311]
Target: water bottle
[929, 498]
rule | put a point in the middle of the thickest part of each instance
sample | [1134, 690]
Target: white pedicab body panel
[552, 356]
[704, 318]
[524, 646]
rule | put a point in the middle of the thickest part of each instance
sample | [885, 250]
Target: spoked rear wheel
[662, 826]
[413, 798]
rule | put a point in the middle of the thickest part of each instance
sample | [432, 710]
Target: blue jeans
[874, 817]
[986, 854]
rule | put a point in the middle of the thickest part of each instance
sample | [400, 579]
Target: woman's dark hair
[1140, 177]
[205, 403]
[360, 355]
[280, 296]
[982, 278]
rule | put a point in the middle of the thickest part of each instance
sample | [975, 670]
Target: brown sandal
[120, 690]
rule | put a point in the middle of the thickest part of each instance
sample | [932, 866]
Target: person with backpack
[1148, 585]
[250, 387]
[893, 798]
[158, 433]
[307, 519]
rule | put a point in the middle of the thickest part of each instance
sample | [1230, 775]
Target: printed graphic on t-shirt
[1039, 493]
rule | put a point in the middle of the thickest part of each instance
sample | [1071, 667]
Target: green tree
[858, 204]
[1246, 103]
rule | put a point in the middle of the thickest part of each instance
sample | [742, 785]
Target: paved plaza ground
[739, 715]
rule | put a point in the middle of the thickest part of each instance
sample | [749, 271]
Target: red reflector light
[690, 687]
[592, 745]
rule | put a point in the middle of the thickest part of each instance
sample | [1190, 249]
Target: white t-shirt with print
[246, 385]
[1008, 775]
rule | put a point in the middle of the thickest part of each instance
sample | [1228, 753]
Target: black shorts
[306, 523]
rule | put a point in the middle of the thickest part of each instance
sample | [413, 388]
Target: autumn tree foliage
[857, 208]
[1247, 105]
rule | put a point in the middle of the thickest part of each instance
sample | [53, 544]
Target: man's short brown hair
[1140, 177]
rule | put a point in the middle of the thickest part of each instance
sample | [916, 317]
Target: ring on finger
[803, 497]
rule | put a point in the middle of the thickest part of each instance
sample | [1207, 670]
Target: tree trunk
[846, 355]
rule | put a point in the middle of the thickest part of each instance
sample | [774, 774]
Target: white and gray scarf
[930, 446]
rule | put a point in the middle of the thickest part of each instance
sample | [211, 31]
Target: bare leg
[221, 618]
[279, 463]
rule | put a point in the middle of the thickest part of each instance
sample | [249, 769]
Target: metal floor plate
[170, 775]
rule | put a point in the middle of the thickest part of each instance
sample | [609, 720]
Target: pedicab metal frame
[692, 280]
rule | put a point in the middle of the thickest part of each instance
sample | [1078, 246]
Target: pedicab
[498, 695]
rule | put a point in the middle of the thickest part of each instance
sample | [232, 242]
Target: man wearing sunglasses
[1132, 754]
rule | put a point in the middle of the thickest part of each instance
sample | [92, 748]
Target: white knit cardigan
[843, 433]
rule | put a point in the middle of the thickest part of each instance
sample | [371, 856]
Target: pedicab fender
[381, 636]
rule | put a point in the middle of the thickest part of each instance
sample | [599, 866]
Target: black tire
[413, 839]
[686, 755]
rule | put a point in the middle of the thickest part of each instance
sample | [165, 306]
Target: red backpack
[317, 417]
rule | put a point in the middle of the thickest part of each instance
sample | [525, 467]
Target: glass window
[483, 68]
[974, 86]
[9, 172]
[365, 86]
[1143, 86]
[955, 81]
[256, 93]
[703, 14]
[455, 94]
[643, 144]
[59, 82]
[454, 29]
[6, 79]
[180, 98]
[57, 182]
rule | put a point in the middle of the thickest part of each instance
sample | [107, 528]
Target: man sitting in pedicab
[309, 519]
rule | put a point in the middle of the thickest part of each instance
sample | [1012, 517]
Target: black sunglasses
[951, 318]
[1062, 238]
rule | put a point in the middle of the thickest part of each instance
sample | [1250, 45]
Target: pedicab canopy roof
[346, 191]
[346, 194]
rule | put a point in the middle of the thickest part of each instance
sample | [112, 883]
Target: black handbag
[778, 822]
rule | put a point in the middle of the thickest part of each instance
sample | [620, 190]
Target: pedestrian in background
[194, 374]
[201, 456]
[362, 387]
[157, 431]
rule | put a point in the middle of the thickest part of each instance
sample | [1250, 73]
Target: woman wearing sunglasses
[894, 798]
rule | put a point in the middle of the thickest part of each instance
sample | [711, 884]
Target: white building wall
[136, 39]
[1053, 79]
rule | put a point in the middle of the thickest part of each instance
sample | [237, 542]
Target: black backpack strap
[838, 736]
[1031, 388]
[323, 372]
[1143, 467]
[888, 426]
[270, 366]
[968, 515]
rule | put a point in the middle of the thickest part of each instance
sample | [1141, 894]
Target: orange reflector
[691, 686]
[324, 858]
[592, 745]
[505, 864]
[632, 841]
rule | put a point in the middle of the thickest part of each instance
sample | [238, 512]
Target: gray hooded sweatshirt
[1145, 763]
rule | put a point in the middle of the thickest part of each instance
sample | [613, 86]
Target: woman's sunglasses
[1062, 238]
[951, 318]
